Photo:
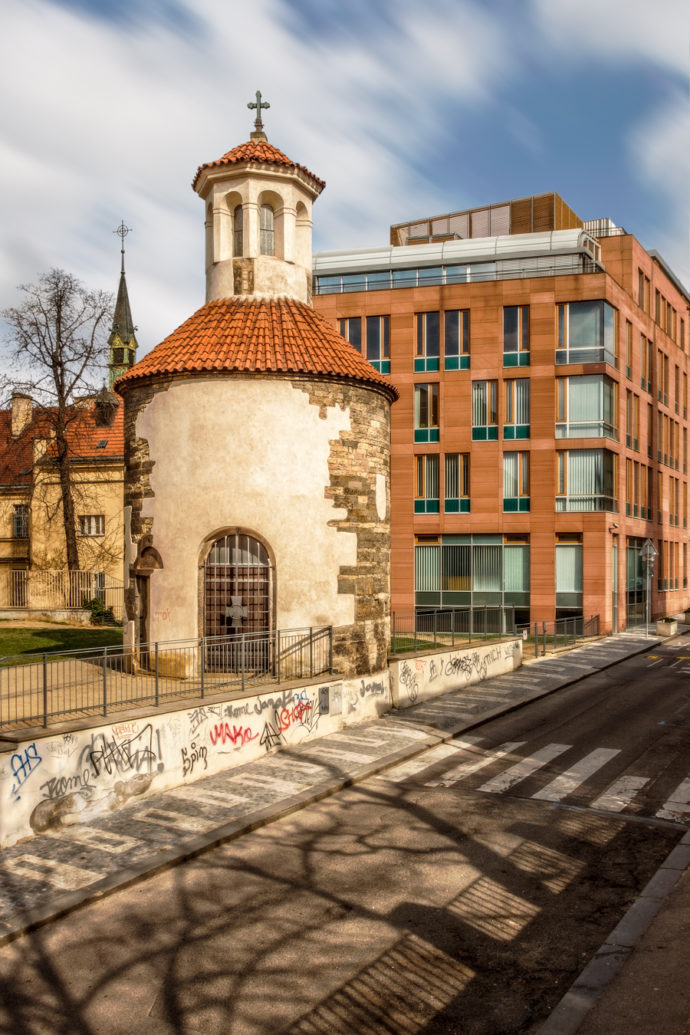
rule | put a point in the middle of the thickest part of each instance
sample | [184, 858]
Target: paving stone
[143, 835]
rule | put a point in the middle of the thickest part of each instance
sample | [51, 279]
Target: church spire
[122, 340]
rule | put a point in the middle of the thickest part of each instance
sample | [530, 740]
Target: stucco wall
[251, 454]
[418, 678]
[302, 464]
[66, 778]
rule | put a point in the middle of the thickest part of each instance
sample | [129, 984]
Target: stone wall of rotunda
[301, 463]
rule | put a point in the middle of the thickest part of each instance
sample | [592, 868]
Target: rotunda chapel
[257, 441]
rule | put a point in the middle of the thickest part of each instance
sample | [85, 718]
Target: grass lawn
[52, 638]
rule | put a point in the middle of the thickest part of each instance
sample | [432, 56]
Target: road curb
[65, 904]
[582, 995]
[507, 709]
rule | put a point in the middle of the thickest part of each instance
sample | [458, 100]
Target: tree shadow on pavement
[389, 907]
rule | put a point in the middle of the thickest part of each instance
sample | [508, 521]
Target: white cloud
[617, 30]
[103, 121]
[660, 154]
[111, 120]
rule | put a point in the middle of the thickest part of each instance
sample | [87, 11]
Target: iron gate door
[238, 593]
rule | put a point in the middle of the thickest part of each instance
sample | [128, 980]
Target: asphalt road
[461, 892]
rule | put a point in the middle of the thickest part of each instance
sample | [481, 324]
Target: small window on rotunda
[267, 232]
[237, 231]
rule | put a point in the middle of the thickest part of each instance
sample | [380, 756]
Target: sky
[406, 108]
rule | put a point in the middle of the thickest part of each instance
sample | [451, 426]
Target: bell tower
[122, 341]
[258, 220]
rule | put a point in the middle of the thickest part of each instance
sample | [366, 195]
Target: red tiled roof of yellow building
[256, 151]
[260, 336]
[84, 434]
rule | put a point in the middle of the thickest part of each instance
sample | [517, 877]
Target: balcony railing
[586, 354]
[585, 503]
[586, 429]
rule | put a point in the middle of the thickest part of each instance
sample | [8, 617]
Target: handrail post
[278, 653]
[330, 650]
[157, 684]
[470, 624]
[242, 649]
[202, 660]
[485, 622]
[393, 634]
[414, 619]
[452, 627]
[105, 682]
[311, 652]
[45, 691]
[435, 626]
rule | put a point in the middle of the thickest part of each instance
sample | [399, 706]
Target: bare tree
[57, 336]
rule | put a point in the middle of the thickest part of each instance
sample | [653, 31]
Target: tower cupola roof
[258, 152]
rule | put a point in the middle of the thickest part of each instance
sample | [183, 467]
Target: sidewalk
[53, 874]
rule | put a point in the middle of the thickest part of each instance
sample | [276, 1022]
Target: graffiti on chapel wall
[109, 769]
[75, 777]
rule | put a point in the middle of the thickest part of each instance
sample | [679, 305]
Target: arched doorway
[238, 600]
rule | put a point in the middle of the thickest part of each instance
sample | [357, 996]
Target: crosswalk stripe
[620, 793]
[521, 770]
[473, 765]
[571, 779]
[436, 754]
[678, 805]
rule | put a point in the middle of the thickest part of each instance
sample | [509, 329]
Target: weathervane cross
[122, 232]
[258, 104]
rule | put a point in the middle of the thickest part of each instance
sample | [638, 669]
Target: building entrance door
[238, 595]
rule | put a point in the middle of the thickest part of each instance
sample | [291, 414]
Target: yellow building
[32, 540]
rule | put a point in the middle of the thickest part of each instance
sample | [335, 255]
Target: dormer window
[267, 231]
[237, 231]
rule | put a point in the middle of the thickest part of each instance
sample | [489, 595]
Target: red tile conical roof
[257, 151]
[240, 335]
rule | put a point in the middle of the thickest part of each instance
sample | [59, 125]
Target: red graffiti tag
[295, 713]
[238, 736]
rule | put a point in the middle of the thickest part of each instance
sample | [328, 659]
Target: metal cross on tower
[122, 232]
[258, 104]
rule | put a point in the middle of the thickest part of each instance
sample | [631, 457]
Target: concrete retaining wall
[55, 780]
[74, 616]
[419, 678]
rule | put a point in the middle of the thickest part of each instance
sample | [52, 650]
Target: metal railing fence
[99, 681]
[561, 633]
[449, 627]
[60, 589]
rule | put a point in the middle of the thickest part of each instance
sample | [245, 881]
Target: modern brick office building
[541, 433]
